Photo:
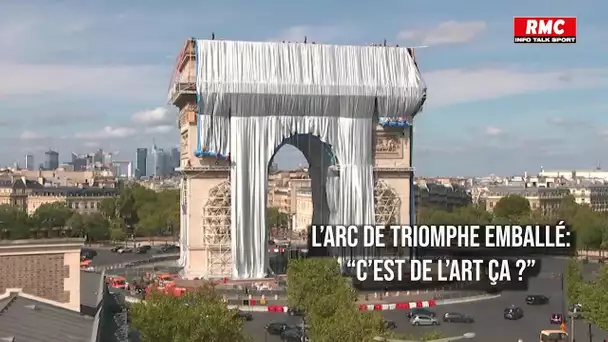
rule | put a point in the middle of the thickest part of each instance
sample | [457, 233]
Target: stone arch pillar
[393, 175]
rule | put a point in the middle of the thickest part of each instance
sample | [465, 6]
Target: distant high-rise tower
[51, 160]
[141, 162]
[98, 157]
[29, 162]
[175, 158]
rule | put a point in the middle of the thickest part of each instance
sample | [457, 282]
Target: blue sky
[76, 75]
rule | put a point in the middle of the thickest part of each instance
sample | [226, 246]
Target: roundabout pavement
[488, 314]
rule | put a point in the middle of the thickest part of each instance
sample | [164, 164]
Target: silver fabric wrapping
[254, 96]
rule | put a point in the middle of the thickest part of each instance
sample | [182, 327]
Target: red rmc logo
[534, 26]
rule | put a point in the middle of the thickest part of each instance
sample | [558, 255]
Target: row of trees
[315, 285]
[590, 293]
[591, 227]
[137, 211]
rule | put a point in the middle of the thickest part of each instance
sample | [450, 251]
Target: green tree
[331, 313]
[512, 206]
[117, 230]
[573, 278]
[193, 317]
[594, 298]
[97, 227]
[108, 208]
[76, 224]
[276, 218]
[14, 223]
[52, 215]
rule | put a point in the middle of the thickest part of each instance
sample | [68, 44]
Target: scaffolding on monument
[387, 208]
[387, 203]
[216, 231]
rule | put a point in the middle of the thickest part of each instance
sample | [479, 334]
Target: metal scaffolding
[387, 203]
[388, 206]
[216, 231]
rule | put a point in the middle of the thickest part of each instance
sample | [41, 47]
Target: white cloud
[450, 32]
[118, 82]
[452, 86]
[155, 117]
[319, 34]
[161, 129]
[493, 131]
[30, 135]
[91, 144]
[108, 132]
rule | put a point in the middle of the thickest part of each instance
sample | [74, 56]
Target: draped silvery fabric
[254, 96]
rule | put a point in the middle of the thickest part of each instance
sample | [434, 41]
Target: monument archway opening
[312, 193]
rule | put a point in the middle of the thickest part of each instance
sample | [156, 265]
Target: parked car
[513, 313]
[424, 320]
[420, 311]
[456, 317]
[537, 300]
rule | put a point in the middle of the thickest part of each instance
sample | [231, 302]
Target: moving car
[424, 320]
[116, 282]
[125, 250]
[456, 317]
[537, 300]
[295, 312]
[276, 328]
[88, 253]
[142, 249]
[115, 249]
[169, 249]
[513, 313]
[556, 318]
[244, 315]
[293, 335]
[420, 311]
[390, 325]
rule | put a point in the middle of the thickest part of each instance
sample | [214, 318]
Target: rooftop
[23, 318]
[75, 191]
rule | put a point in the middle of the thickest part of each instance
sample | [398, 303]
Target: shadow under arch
[320, 157]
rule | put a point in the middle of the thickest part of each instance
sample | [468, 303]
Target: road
[489, 323]
[105, 257]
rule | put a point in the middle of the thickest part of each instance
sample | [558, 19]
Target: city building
[29, 162]
[81, 200]
[141, 162]
[445, 195]
[51, 160]
[15, 191]
[545, 200]
[175, 158]
[62, 177]
[44, 296]
[122, 169]
[303, 210]
[79, 163]
[98, 157]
